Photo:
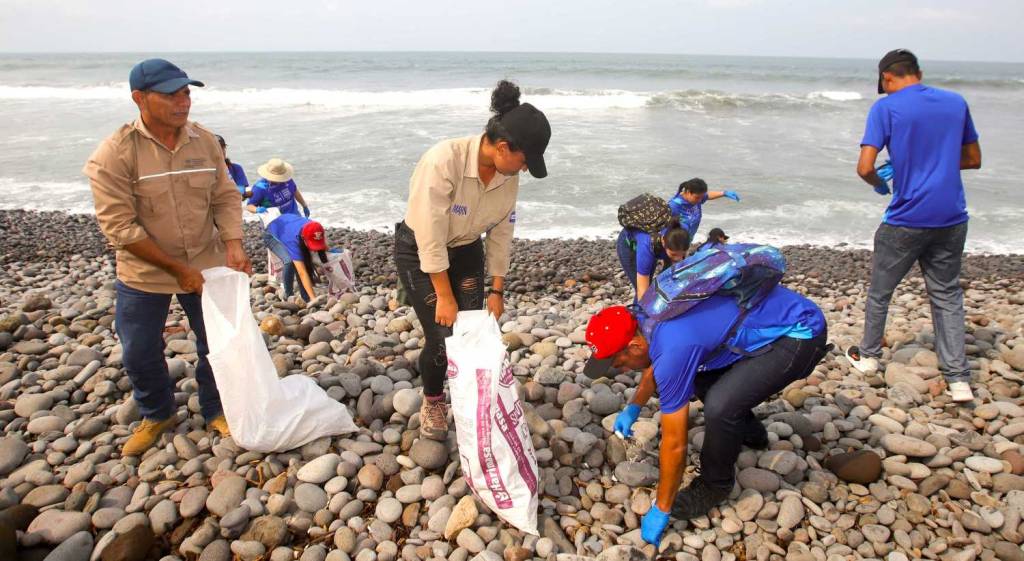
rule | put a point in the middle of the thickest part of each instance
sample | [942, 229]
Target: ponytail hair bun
[504, 98]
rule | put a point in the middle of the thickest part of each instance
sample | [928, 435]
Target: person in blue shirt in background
[297, 238]
[235, 171]
[639, 254]
[689, 197]
[275, 188]
[930, 137]
[779, 341]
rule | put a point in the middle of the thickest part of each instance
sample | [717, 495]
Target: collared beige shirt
[182, 199]
[449, 206]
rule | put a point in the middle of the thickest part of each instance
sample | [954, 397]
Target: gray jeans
[939, 252]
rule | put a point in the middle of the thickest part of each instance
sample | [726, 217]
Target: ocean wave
[458, 98]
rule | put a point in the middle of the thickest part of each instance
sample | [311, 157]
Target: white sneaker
[960, 392]
[864, 364]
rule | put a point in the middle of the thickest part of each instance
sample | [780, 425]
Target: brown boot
[146, 435]
[434, 419]
[220, 424]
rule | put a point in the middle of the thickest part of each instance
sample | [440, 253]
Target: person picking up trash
[690, 197]
[733, 350]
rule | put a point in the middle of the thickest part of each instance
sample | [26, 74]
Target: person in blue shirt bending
[639, 253]
[294, 239]
[688, 200]
[780, 340]
[235, 171]
[930, 137]
[275, 188]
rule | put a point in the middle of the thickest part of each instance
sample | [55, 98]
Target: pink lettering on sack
[507, 424]
[506, 379]
[492, 476]
[453, 369]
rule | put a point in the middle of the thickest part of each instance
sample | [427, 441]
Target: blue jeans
[278, 249]
[627, 258]
[140, 318]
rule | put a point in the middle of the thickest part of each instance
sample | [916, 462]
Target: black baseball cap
[891, 58]
[530, 131]
[159, 75]
[717, 233]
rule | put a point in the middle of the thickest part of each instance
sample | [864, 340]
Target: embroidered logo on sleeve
[512, 217]
[461, 210]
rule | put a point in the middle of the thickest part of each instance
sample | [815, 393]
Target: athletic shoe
[698, 499]
[434, 419]
[146, 435]
[960, 392]
[864, 364]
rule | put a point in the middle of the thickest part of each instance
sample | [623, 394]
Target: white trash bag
[265, 413]
[338, 271]
[494, 440]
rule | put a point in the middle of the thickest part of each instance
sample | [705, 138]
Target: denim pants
[466, 274]
[730, 394]
[277, 248]
[627, 258]
[140, 318]
[938, 251]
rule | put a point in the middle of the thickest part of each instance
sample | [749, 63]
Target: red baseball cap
[608, 332]
[313, 234]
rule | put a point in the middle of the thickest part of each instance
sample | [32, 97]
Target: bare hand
[236, 257]
[190, 280]
[495, 305]
[446, 310]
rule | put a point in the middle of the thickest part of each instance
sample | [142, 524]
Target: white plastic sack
[494, 440]
[338, 272]
[264, 413]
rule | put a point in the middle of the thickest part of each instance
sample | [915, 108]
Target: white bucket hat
[276, 170]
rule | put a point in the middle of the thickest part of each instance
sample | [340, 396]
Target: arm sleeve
[111, 181]
[259, 192]
[970, 133]
[644, 254]
[498, 246]
[674, 372]
[241, 175]
[227, 204]
[878, 128]
[430, 199]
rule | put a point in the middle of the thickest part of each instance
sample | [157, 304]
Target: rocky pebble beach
[858, 467]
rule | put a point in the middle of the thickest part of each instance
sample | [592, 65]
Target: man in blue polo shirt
[930, 137]
[779, 341]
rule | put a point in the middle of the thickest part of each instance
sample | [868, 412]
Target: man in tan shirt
[165, 201]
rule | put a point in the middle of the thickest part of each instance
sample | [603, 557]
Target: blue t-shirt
[281, 195]
[684, 346]
[646, 257]
[238, 175]
[287, 228]
[924, 129]
[689, 214]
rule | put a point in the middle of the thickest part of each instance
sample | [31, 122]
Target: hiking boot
[698, 499]
[434, 418]
[864, 364]
[219, 424]
[146, 435]
[960, 392]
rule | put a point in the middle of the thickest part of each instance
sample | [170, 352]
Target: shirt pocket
[200, 191]
[153, 197]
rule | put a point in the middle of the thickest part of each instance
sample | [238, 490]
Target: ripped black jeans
[466, 274]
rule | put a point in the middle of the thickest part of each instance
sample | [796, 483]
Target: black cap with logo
[891, 58]
[531, 132]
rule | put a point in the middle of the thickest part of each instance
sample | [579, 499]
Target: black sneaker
[698, 499]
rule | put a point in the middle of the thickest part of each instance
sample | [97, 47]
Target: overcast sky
[988, 30]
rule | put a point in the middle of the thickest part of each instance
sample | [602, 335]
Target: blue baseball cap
[160, 76]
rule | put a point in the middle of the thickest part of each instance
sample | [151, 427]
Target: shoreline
[947, 482]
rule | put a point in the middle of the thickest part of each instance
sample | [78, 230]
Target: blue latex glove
[882, 189]
[732, 195]
[625, 419]
[653, 525]
[261, 209]
[885, 171]
[305, 210]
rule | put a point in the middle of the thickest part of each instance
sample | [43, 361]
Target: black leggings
[729, 394]
[466, 274]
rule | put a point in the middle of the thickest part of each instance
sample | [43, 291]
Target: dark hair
[307, 260]
[697, 186]
[504, 98]
[903, 68]
[676, 237]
